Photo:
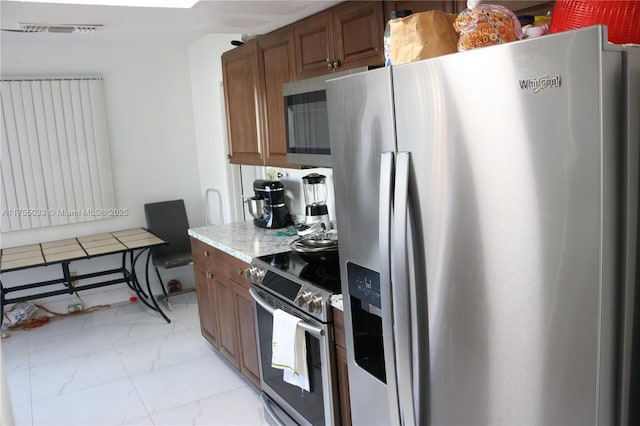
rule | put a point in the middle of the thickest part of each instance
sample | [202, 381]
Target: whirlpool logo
[538, 84]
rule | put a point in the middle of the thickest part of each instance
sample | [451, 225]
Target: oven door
[318, 406]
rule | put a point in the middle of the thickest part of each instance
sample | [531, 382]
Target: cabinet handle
[239, 271]
[209, 275]
[332, 64]
[329, 64]
[206, 253]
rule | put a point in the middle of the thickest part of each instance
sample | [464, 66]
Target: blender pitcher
[314, 186]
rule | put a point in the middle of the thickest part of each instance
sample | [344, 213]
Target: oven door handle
[303, 325]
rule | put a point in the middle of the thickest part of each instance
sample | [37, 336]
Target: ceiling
[166, 26]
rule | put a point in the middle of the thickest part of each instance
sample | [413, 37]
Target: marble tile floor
[125, 366]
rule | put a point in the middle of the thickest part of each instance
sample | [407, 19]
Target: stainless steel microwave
[306, 120]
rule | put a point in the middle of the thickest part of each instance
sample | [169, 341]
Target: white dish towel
[289, 349]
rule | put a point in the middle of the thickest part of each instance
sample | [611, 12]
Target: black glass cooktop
[324, 274]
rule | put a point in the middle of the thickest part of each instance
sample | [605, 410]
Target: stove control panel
[297, 290]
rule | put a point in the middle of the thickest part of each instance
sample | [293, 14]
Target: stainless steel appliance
[501, 287]
[285, 281]
[268, 206]
[314, 187]
[306, 123]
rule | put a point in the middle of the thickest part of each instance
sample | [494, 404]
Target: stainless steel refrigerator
[486, 207]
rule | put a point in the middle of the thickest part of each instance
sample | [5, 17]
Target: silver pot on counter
[319, 247]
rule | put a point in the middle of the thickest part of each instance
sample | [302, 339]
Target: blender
[314, 187]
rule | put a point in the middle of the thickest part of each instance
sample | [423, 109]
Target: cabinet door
[341, 362]
[249, 363]
[275, 54]
[225, 303]
[343, 384]
[313, 41]
[241, 82]
[359, 31]
[206, 304]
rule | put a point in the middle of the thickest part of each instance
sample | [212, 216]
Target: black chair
[168, 220]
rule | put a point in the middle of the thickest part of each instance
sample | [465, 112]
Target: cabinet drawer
[202, 253]
[219, 262]
[232, 268]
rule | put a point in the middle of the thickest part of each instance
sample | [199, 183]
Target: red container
[621, 17]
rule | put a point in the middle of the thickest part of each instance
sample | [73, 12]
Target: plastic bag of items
[483, 25]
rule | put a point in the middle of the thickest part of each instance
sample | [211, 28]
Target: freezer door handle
[401, 295]
[384, 217]
[631, 155]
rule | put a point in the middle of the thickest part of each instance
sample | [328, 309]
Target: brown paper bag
[421, 36]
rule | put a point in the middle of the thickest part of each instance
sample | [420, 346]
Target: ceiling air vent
[58, 28]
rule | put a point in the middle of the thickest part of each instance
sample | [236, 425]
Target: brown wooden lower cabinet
[225, 307]
[341, 361]
[226, 318]
[206, 304]
[249, 362]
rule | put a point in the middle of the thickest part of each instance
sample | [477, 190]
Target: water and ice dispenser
[366, 318]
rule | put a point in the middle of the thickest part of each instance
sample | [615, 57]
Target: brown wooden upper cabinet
[277, 66]
[347, 36]
[253, 77]
[241, 78]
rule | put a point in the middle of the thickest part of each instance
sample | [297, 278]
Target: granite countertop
[245, 241]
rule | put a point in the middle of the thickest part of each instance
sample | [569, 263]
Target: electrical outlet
[73, 274]
[276, 173]
[272, 174]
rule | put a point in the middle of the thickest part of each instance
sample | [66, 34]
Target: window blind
[55, 162]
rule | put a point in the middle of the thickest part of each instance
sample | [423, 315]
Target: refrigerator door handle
[384, 217]
[631, 155]
[403, 327]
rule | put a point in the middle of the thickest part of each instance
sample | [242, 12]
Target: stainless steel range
[285, 281]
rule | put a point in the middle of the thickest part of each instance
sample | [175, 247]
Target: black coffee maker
[267, 206]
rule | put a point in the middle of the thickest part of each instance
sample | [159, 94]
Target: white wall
[150, 125]
[210, 123]
[166, 124]
[152, 138]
